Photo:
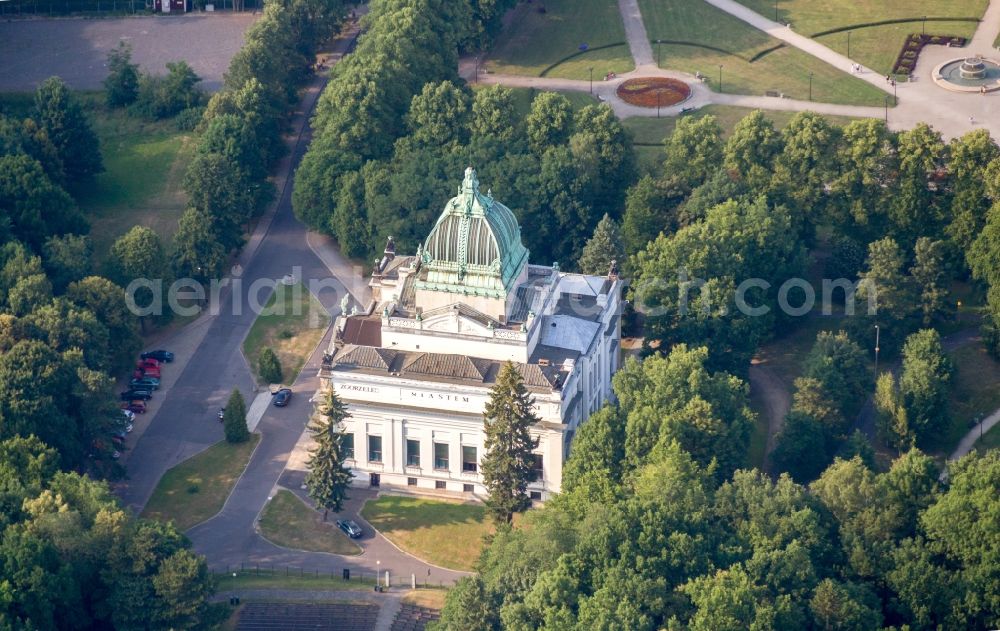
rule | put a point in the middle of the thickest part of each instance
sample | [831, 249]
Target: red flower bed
[907, 59]
[653, 91]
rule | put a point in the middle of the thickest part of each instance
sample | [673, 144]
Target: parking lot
[75, 49]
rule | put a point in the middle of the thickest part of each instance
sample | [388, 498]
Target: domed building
[415, 366]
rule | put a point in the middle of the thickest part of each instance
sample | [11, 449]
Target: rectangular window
[536, 466]
[347, 445]
[374, 448]
[412, 453]
[468, 488]
[441, 456]
[535, 495]
[411, 481]
[469, 463]
[440, 484]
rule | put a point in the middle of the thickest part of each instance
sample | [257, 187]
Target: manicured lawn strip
[287, 521]
[523, 97]
[876, 46]
[534, 41]
[449, 534]
[757, 449]
[990, 440]
[292, 323]
[975, 393]
[785, 70]
[814, 16]
[196, 489]
[291, 578]
[650, 132]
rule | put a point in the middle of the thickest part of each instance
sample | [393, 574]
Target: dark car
[133, 395]
[144, 383]
[350, 528]
[282, 397]
[159, 355]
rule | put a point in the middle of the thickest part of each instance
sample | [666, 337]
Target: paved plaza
[75, 49]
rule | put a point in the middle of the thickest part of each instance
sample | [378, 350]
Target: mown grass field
[975, 393]
[292, 324]
[875, 47]
[531, 41]
[197, 488]
[449, 534]
[785, 70]
[650, 133]
[287, 521]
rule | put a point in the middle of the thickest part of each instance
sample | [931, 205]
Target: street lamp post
[887, 108]
[810, 86]
[923, 27]
[876, 351]
[720, 78]
[775, 10]
[658, 42]
[591, 79]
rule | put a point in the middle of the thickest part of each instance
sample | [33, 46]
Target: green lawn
[876, 46]
[144, 164]
[292, 324]
[975, 393]
[713, 37]
[287, 521]
[649, 133]
[449, 534]
[534, 41]
[253, 577]
[197, 488]
[991, 440]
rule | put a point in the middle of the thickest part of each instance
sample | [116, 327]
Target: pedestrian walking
[972, 121]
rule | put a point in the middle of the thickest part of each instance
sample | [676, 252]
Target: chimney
[390, 249]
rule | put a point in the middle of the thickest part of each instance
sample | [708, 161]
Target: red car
[151, 372]
[136, 407]
[147, 363]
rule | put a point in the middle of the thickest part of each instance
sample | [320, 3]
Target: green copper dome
[475, 246]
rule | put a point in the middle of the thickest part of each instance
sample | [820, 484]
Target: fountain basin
[970, 74]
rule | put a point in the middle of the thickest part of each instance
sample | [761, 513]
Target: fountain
[973, 68]
[971, 74]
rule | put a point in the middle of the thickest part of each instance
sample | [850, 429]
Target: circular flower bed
[653, 91]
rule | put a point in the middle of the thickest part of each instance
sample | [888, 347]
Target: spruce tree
[269, 366]
[328, 478]
[234, 419]
[602, 248]
[507, 465]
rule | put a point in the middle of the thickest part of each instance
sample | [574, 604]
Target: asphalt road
[185, 422]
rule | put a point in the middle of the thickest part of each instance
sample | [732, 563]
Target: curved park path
[919, 101]
[210, 363]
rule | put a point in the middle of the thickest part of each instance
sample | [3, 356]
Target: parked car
[149, 362]
[350, 528]
[144, 383]
[159, 355]
[282, 397]
[148, 372]
[136, 407]
[129, 417]
[136, 394]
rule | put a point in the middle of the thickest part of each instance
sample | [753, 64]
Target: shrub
[234, 419]
[269, 366]
[189, 118]
[165, 97]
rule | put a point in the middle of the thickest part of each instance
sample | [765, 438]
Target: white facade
[416, 373]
